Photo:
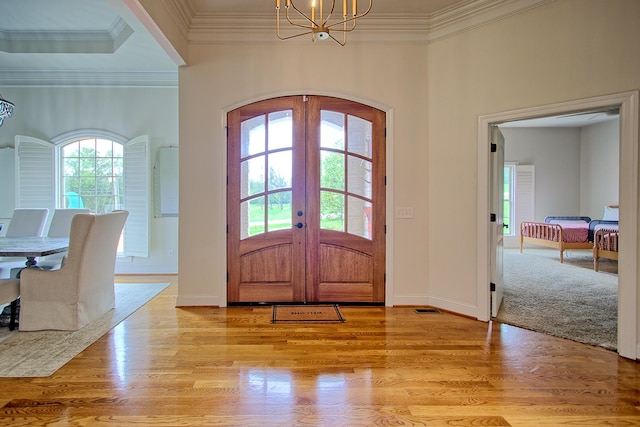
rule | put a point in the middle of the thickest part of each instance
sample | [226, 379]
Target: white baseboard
[444, 304]
[198, 301]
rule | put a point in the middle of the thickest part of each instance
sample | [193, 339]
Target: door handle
[299, 225]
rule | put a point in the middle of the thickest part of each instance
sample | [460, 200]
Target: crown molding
[260, 29]
[182, 14]
[476, 13]
[239, 28]
[97, 78]
[95, 41]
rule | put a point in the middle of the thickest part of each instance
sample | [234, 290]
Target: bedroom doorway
[627, 103]
[306, 208]
[577, 157]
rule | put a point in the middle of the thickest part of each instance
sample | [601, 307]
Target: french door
[306, 201]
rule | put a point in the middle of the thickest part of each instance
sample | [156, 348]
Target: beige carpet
[41, 353]
[306, 314]
[567, 300]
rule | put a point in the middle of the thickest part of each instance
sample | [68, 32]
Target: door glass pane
[360, 217]
[331, 211]
[359, 136]
[280, 214]
[280, 130]
[359, 177]
[280, 169]
[252, 139]
[332, 170]
[252, 177]
[252, 217]
[331, 130]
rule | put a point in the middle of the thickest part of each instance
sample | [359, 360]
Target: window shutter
[524, 195]
[35, 173]
[136, 197]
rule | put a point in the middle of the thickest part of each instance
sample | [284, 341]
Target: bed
[567, 232]
[605, 245]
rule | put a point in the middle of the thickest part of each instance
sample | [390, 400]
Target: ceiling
[102, 42]
[77, 42]
[570, 120]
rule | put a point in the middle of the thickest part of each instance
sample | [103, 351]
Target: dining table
[32, 247]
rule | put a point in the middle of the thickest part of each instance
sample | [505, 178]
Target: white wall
[555, 153]
[576, 168]
[554, 53]
[220, 77]
[600, 158]
[44, 113]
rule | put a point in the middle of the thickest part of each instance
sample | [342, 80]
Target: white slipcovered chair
[82, 289]
[27, 222]
[60, 227]
[24, 223]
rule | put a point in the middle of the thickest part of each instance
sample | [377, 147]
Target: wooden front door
[306, 202]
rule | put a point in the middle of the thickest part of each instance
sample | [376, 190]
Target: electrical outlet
[170, 252]
[404, 213]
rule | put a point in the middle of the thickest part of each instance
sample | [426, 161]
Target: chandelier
[321, 19]
[6, 109]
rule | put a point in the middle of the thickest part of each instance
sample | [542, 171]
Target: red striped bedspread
[572, 232]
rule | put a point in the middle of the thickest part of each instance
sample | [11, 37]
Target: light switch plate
[404, 213]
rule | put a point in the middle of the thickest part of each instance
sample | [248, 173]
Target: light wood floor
[385, 366]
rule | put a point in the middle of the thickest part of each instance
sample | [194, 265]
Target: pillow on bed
[610, 213]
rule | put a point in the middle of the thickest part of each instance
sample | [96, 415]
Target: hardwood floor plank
[202, 366]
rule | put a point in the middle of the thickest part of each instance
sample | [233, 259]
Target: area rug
[306, 314]
[562, 300]
[41, 353]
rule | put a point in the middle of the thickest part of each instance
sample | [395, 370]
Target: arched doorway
[306, 201]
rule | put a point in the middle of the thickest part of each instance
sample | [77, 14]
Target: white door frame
[628, 102]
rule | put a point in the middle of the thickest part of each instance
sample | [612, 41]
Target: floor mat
[306, 314]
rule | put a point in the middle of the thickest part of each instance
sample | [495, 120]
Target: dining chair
[60, 227]
[82, 289]
[24, 223]
[27, 223]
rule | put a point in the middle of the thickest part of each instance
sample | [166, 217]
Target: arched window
[91, 175]
[93, 169]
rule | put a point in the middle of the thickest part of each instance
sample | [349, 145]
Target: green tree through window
[92, 175]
